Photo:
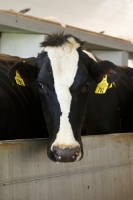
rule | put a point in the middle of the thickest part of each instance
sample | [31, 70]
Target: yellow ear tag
[110, 86]
[19, 80]
[102, 86]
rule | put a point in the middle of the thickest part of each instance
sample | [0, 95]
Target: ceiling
[113, 17]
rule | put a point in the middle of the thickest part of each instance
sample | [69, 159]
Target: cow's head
[63, 73]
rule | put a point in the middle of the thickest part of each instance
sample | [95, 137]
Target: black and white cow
[124, 87]
[63, 72]
[103, 111]
[20, 108]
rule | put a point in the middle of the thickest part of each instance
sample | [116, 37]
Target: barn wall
[23, 45]
[28, 45]
[0, 42]
[130, 60]
[130, 63]
[117, 57]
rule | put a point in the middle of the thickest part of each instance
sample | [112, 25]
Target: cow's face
[62, 72]
[63, 84]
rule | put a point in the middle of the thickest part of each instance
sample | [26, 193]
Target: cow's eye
[87, 85]
[40, 85]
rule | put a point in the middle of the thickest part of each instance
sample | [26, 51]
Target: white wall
[23, 45]
[28, 45]
[0, 43]
[117, 57]
[130, 63]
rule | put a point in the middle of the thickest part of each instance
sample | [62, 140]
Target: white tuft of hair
[90, 55]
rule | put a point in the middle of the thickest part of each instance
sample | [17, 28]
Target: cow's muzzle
[67, 154]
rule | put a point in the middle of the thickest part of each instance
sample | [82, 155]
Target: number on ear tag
[102, 86]
[19, 80]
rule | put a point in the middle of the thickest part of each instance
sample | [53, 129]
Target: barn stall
[105, 172]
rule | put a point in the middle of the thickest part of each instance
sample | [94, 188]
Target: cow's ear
[23, 73]
[105, 68]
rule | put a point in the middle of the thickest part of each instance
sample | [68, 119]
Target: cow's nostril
[54, 148]
[76, 154]
[56, 153]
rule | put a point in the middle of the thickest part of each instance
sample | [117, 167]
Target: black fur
[58, 39]
[21, 115]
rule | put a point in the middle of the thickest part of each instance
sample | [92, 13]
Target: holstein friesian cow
[103, 111]
[124, 88]
[21, 114]
[63, 72]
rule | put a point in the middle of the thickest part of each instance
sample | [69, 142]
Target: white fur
[64, 62]
[90, 55]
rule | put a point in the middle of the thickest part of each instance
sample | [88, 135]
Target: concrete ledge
[15, 22]
[105, 172]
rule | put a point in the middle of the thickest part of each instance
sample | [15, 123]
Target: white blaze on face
[90, 55]
[64, 62]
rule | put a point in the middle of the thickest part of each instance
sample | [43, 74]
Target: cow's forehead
[64, 62]
[67, 46]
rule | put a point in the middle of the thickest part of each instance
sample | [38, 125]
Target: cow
[63, 73]
[20, 108]
[103, 111]
[124, 87]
